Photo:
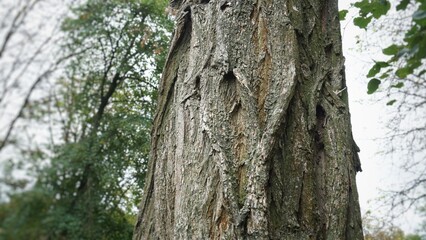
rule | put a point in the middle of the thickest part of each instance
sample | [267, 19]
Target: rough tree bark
[252, 136]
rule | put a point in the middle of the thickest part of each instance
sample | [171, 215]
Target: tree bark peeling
[252, 137]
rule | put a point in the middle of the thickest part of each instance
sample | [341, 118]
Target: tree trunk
[252, 137]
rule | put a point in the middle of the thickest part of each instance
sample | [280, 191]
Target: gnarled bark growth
[252, 137]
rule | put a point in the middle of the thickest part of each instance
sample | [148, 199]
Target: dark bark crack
[225, 5]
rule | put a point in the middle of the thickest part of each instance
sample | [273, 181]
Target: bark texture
[252, 137]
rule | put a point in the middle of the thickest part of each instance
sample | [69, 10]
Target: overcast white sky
[368, 118]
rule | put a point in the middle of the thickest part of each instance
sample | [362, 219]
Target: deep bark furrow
[252, 136]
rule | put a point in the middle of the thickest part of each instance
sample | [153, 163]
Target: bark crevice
[252, 138]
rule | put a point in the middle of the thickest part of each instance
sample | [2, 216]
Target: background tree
[102, 109]
[381, 229]
[28, 57]
[252, 135]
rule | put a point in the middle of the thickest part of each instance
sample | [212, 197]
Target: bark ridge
[252, 136]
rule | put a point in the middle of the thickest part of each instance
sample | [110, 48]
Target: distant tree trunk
[252, 137]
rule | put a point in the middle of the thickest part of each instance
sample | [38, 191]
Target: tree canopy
[87, 184]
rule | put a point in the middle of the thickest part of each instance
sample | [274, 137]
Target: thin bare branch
[16, 23]
[28, 96]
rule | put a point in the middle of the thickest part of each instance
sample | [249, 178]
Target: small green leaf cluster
[342, 14]
[369, 9]
[405, 58]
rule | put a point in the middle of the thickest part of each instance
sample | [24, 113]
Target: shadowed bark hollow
[252, 136]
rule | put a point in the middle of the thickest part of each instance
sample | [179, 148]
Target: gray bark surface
[252, 136]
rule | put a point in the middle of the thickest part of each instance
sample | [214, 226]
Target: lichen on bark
[252, 136]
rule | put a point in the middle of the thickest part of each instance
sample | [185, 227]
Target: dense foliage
[103, 105]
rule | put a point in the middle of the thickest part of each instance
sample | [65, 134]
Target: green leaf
[369, 9]
[398, 85]
[402, 52]
[391, 102]
[373, 85]
[362, 4]
[402, 5]
[379, 8]
[391, 50]
[419, 15]
[376, 68]
[342, 14]
[373, 71]
[403, 72]
[384, 75]
[362, 22]
[382, 64]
